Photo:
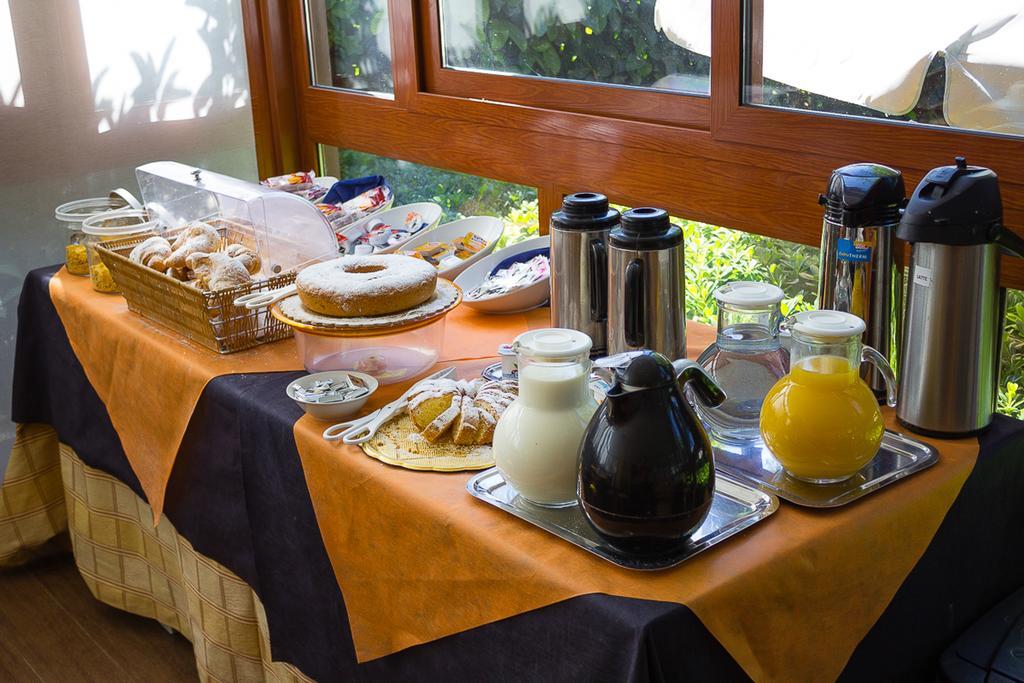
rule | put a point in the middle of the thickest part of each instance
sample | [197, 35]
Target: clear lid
[742, 294]
[553, 345]
[120, 223]
[80, 209]
[288, 231]
[833, 325]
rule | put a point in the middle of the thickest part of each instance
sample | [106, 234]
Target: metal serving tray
[735, 507]
[898, 457]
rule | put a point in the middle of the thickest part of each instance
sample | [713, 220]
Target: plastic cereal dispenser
[287, 231]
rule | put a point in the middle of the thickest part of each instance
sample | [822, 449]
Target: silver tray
[493, 372]
[735, 507]
[898, 457]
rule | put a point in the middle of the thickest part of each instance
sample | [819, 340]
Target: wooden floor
[52, 629]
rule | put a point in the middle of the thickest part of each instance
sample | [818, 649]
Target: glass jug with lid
[746, 359]
[821, 421]
[537, 439]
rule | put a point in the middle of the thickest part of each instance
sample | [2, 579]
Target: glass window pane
[459, 194]
[940, 62]
[647, 43]
[350, 44]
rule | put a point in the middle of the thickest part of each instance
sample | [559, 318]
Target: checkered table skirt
[129, 564]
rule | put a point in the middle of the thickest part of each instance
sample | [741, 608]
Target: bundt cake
[468, 411]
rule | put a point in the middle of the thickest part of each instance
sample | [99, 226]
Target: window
[636, 43]
[350, 43]
[946, 63]
[11, 94]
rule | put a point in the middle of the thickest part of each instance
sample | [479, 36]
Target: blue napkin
[521, 257]
[344, 190]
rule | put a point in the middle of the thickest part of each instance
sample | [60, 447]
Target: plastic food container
[71, 216]
[112, 225]
[389, 358]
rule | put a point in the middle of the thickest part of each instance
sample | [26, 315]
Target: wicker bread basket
[207, 318]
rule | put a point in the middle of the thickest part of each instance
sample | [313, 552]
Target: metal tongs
[264, 299]
[362, 429]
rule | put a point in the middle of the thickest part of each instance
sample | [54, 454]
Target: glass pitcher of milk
[537, 439]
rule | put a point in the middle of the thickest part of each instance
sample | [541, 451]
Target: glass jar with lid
[746, 359]
[71, 215]
[821, 421]
[113, 225]
[537, 439]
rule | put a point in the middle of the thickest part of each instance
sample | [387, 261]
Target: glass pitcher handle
[869, 355]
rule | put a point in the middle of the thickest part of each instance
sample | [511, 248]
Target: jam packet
[291, 182]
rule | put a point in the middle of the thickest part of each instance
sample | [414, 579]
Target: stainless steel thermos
[646, 295]
[949, 370]
[858, 273]
[579, 265]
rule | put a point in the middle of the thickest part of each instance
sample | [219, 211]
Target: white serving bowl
[516, 301]
[332, 412]
[395, 217]
[487, 227]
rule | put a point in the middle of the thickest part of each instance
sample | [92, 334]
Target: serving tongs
[362, 429]
[263, 299]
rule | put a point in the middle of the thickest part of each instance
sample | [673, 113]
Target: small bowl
[395, 217]
[333, 412]
[516, 301]
[487, 227]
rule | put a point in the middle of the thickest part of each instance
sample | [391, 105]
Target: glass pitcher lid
[743, 294]
[830, 324]
[553, 344]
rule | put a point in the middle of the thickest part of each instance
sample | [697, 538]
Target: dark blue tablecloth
[238, 494]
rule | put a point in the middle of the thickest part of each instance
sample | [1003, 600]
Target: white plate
[395, 217]
[487, 227]
[522, 299]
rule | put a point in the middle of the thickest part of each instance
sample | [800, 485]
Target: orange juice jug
[821, 421]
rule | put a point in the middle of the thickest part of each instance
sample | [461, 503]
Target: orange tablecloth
[150, 378]
[417, 559]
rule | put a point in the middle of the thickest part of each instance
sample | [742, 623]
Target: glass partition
[939, 62]
[350, 44]
[643, 43]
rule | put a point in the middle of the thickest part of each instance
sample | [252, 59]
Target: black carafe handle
[633, 304]
[598, 282]
[1010, 242]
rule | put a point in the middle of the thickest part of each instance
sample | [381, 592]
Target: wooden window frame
[689, 110]
[748, 167]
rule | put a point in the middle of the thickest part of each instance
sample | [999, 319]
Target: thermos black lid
[958, 205]
[861, 195]
[645, 229]
[585, 211]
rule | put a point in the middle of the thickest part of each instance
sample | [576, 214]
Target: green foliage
[716, 255]
[616, 42]
[359, 38]
[521, 223]
[1011, 399]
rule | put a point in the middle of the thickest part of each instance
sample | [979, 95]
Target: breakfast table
[362, 571]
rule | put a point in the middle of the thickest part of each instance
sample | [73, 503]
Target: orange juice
[821, 421]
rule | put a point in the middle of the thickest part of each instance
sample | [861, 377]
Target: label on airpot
[853, 251]
[923, 276]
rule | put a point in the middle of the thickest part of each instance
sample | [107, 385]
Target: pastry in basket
[217, 271]
[468, 411]
[353, 286]
[152, 253]
[196, 238]
[248, 258]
